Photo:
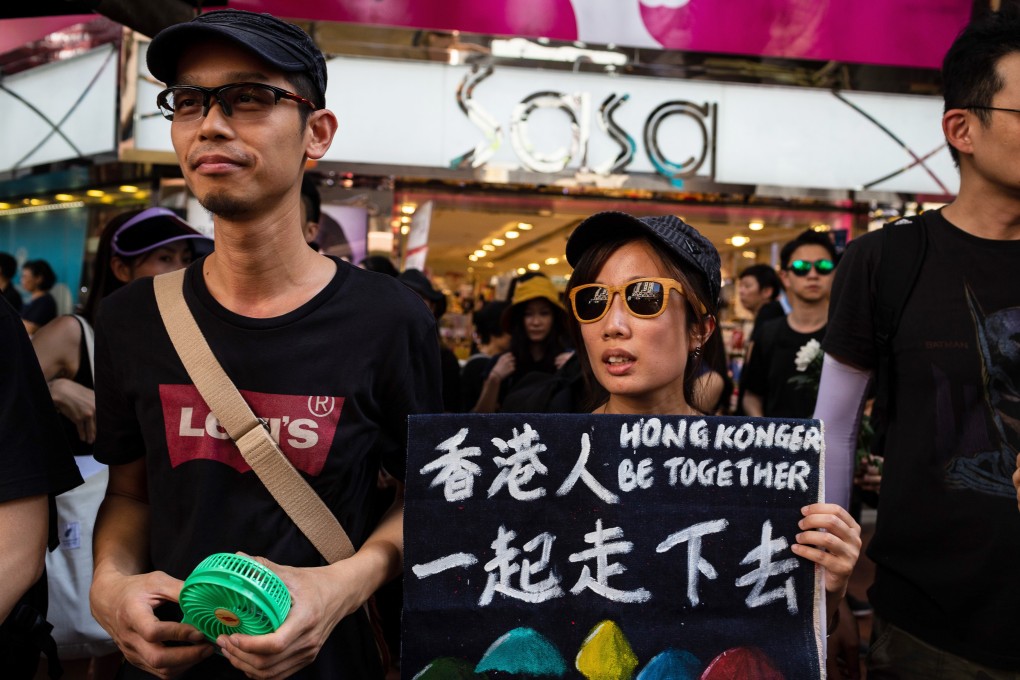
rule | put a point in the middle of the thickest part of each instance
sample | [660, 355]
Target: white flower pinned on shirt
[808, 354]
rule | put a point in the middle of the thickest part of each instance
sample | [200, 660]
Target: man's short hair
[43, 270]
[8, 266]
[807, 238]
[310, 197]
[488, 320]
[969, 74]
[766, 277]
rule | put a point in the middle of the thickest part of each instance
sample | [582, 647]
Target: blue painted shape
[672, 664]
[523, 651]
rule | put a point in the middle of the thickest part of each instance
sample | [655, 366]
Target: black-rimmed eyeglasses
[242, 101]
[990, 108]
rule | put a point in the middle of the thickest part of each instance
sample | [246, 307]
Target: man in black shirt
[8, 268]
[807, 264]
[947, 540]
[332, 358]
[35, 463]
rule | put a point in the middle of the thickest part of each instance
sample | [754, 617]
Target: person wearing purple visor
[134, 245]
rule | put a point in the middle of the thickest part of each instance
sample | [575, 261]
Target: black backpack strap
[903, 248]
[37, 632]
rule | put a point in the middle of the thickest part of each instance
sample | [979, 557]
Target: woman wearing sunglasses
[643, 298]
[133, 245]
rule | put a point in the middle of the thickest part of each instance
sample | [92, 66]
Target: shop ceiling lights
[524, 226]
[534, 266]
[40, 208]
[740, 241]
[756, 225]
[95, 193]
[552, 260]
[489, 247]
[129, 189]
[474, 258]
[498, 241]
[512, 234]
[408, 208]
[480, 253]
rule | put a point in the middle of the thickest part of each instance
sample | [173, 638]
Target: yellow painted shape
[606, 654]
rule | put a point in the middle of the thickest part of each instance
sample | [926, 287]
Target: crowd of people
[97, 406]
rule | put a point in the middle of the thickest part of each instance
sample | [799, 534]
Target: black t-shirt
[34, 458]
[773, 309]
[12, 296]
[947, 541]
[33, 453]
[472, 375]
[768, 372]
[40, 310]
[336, 379]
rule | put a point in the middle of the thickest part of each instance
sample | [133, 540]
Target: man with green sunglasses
[807, 263]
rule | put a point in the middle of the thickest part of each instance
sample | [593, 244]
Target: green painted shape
[523, 651]
[449, 668]
[606, 654]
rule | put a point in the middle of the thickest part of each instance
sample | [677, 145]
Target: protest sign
[602, 546]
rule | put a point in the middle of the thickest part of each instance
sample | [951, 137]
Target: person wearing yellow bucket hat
[536, 321]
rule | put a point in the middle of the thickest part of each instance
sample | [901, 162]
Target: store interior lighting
[740, 241]
[756, 225]
[40, 208]
[126, 195]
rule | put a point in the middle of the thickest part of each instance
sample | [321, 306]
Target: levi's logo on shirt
[303, 427]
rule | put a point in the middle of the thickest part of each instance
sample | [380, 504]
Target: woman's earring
[696, 352]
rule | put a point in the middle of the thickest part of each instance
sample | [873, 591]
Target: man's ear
[321, 128]
[958, 126]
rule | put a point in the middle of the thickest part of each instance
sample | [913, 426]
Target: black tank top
[84, 378]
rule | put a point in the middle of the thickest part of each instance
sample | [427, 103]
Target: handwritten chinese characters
[676, 528]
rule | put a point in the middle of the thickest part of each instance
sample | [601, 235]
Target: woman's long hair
[550, 347]
[695, 287]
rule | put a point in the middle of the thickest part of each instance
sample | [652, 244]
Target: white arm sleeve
[841, 394]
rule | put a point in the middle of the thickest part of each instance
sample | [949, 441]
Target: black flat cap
[279, 43]
[679, 237]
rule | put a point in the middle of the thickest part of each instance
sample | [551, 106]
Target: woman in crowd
[643, 298]
[536, 321]
[37, 278]
[133, 245]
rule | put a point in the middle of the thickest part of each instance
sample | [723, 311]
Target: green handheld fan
[229, 593]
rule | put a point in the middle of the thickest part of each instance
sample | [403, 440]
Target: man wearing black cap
[245, 101]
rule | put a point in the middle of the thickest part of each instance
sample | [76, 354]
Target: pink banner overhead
[16, 32]
[891, 32]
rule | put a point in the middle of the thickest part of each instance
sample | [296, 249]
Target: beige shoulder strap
[290, 490]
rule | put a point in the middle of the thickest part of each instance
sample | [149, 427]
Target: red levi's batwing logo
[304, 427]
